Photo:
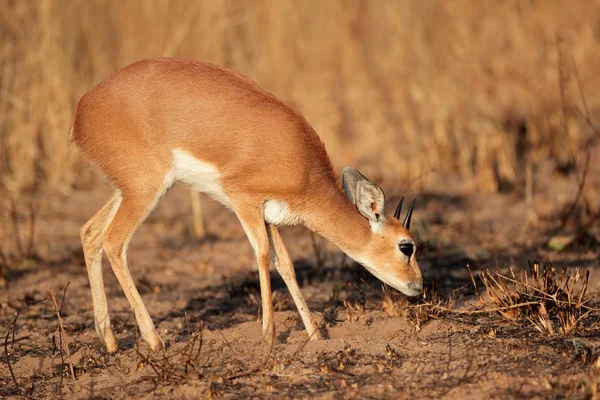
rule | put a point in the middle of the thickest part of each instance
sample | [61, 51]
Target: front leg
[252, 220]
[285, 267]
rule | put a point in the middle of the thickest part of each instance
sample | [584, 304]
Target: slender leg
[92, 234]
[134, 208]
[284, 266]
[252, 219]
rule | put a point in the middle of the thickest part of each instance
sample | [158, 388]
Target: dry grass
[407, 91]
[431, 305]
[428, 306]
[554, 304]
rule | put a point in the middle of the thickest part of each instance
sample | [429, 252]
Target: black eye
[407, 249]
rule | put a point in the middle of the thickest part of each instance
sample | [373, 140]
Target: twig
[62, 335]
[473, 280]
[197, 336]
[62, 302]
[11, 329]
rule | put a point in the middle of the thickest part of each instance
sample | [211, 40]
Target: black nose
[416, 286]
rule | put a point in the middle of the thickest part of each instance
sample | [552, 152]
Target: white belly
[200, 175]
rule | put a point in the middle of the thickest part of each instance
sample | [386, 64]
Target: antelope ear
[366, 196]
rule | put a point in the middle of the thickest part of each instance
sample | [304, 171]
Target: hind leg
[91, 235]
[137, 202]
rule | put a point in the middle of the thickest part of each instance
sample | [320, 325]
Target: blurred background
[427, 95]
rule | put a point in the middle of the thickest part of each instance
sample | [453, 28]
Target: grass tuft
[555, 304]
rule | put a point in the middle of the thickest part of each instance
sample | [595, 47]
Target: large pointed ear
[366, 196]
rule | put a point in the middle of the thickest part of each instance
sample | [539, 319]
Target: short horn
[406, 222]
[399, 209]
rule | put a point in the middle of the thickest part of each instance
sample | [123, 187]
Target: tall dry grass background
[409, 91]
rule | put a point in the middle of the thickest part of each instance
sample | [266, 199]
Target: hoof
[112, 346]
[156, 344]
[269, 339]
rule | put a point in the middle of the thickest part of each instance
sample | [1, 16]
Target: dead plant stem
[62, 335]
[8, 334]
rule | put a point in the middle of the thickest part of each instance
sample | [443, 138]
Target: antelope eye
[407, 249]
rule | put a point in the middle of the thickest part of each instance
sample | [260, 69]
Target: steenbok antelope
[163, 120]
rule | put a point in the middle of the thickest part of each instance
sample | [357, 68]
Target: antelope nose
[416, 286]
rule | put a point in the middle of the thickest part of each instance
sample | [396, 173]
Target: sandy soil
[204, 298]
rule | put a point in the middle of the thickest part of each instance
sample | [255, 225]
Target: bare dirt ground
[204, 298]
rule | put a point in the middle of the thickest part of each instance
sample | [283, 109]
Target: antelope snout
[415, 287]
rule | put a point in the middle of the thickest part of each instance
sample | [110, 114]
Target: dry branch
[63, 341]
[11, 330]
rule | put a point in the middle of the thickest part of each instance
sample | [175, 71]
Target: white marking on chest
[278, 213]
[200, 175]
